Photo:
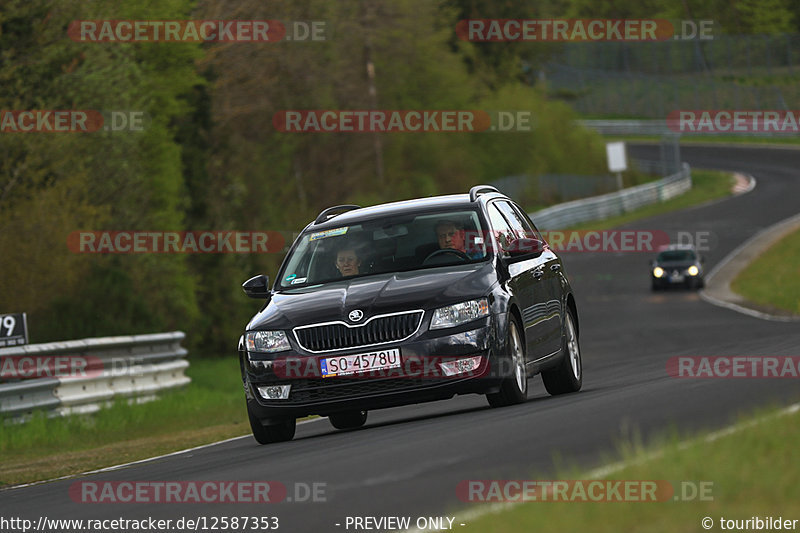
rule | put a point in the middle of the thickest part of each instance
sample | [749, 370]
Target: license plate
[345, 365]
[676, 278]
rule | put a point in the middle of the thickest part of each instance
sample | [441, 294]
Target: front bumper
[419, 379]
[676, 278]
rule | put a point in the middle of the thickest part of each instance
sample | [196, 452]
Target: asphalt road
[408, 461]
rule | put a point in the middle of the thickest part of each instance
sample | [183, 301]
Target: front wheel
[514, 388]
[568, 375]
[268, 434]
[348, 419]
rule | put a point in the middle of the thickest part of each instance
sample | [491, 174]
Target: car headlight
[658, 272]
[267, 341]
[461, 313]
[693, 270]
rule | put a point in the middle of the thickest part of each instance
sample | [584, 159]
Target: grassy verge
[707, 185]
[773, 280]
[210, 409]
[754, 473]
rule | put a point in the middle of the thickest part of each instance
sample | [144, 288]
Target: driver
[451, 235]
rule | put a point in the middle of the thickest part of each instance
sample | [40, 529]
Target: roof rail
[478, 189]
[326, 214]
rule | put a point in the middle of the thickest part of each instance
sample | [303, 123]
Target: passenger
[347, 262]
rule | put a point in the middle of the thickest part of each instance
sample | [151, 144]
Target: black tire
[514, 388]
[655, 286]
[268, 434]
[568, 375]
[348, 419]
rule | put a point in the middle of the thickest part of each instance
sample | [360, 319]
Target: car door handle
[538, 274]
[555, 267]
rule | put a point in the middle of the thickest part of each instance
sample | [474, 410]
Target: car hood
[375, 295]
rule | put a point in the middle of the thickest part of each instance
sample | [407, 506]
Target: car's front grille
[340, 336]
[316, 390]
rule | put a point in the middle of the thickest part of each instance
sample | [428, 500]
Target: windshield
[406, 242]
[676, 255]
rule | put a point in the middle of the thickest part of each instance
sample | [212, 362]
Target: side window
[518, 223]
[529, 223]
[502, 230]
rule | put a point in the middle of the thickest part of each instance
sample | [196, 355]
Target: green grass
[754, 473]
[211, 408]
[707, 185]
[773, 280]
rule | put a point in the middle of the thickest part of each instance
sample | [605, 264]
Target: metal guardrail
[629, 127]
[135, 367]
[613, 204]
[660, 127]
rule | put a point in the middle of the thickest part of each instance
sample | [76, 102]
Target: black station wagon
[404, 303]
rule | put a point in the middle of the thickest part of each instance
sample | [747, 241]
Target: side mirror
[257, 287]
[702, 259]
[525, 247]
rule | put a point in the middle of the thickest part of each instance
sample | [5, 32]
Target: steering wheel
[459, 253]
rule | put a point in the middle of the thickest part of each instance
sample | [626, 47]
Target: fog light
[274, 392]
[460, 366]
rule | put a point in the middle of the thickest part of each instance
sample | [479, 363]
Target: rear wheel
[568, 375]
[267, 434]
[348, 419]
[514, 388]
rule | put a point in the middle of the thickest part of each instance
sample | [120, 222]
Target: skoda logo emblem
[356, 315]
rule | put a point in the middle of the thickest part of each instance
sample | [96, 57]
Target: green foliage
[731, 17]
[52, 184]
[209, 157]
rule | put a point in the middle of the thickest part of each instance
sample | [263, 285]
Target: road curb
[718, 282]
